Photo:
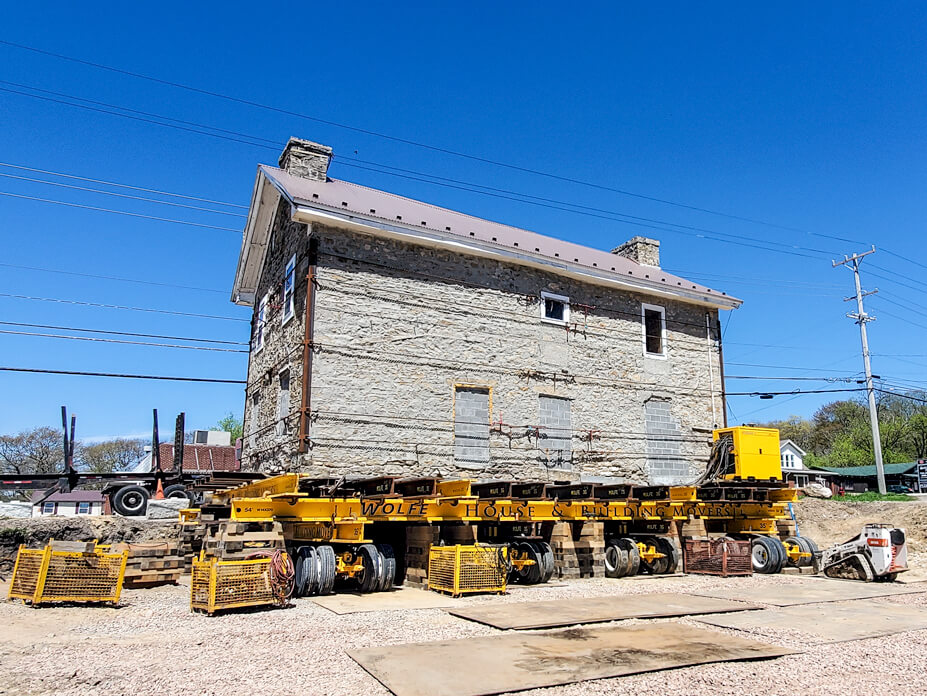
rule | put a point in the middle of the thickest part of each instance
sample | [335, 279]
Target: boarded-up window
[253, 417]
[556, 430]
[283, 403]
[471, 425]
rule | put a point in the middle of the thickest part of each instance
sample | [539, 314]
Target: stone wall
[402, 332]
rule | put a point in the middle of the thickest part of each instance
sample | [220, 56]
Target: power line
[123, 307]
[122, 333]
[793, 379]
[781, 367]
[119, 185]
[795, 391]
[405, 141]
[113, 340]
[119, 195]
[118, 212]
[471, 187]
[105, 277]
[121, 376]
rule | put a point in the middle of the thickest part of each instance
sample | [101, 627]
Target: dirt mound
[35, 532]
[831, 522]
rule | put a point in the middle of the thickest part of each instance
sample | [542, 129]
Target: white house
[67, 504]
[792, 458]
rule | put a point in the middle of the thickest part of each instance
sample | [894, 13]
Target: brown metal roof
[342, 198]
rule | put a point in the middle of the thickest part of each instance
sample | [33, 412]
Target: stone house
[394, 337]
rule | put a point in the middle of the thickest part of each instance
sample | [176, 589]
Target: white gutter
[309, 215]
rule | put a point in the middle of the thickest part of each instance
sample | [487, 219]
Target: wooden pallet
[151, 564]
[238, 540]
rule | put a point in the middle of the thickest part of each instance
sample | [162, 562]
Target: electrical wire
[120, 195]
[122, 307]
[113, 340]
[120, 185]
[122, 333]
[120, 376]
[118, 212]
[405, 141]
[116, 278]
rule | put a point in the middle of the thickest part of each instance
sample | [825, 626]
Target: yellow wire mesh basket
[47, 575]
[216, 585]
[462, 569]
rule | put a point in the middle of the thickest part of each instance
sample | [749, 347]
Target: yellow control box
[755, 452]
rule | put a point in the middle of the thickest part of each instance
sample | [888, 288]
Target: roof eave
[304, 212]
[264, 200]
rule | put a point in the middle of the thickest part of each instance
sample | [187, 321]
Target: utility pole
[862, 319]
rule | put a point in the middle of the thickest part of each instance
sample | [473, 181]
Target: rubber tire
[671, 562]
[299, 562]
[810, 547]
[327, 566]
[616, 560]
[783, 555]
[802, 546]
[769, 556]
[369, 579]
[529, 575]
[133, 493]
[546, 554]
[634, 555]
[311, 572]
[175, 488]
[388, 559]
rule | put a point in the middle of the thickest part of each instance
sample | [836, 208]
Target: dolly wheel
[327, 566]
[529, 574]
[616, 560]
[546, 555]
[634, 555]
[765, 555]
[370, 577]
[666, 546]
[388, 559]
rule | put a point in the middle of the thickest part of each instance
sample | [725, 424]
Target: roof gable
[783, 444]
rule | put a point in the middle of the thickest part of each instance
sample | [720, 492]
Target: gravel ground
[153, 644]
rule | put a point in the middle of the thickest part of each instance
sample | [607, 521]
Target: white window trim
[662, 311]
[260, 336]
[89, 508]
[289, 308]
[566, 308]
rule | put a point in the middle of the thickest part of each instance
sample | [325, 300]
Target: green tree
[36, 451]
[231, 424]
[119, 454]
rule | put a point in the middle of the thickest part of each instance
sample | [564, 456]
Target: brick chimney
[306, 159]
[642, 250]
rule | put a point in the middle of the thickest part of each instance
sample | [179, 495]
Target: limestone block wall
[407, 339]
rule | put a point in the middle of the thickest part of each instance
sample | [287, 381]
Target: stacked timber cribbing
[236, 541]
[151, 564]
[579, 549]
[419, 539]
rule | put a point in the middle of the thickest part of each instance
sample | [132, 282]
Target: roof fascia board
[309, 215]
[264, 201]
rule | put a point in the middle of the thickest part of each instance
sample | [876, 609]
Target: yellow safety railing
[463, 569]
[216, 585]
[45, 575]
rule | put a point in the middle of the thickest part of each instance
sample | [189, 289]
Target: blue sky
[811, 118]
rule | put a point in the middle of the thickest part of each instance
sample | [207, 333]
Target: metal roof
[869, 471]
[380, 210]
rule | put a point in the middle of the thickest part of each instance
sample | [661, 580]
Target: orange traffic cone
[159, 491]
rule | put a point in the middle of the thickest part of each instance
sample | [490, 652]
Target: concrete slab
[398, 598]
[568, 612]
[812, 592]
[518, 661]
[832, 624]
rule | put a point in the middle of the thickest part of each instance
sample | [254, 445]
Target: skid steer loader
[878, 554]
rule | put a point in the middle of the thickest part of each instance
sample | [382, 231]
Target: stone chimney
[642, 250]
[306, 159]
